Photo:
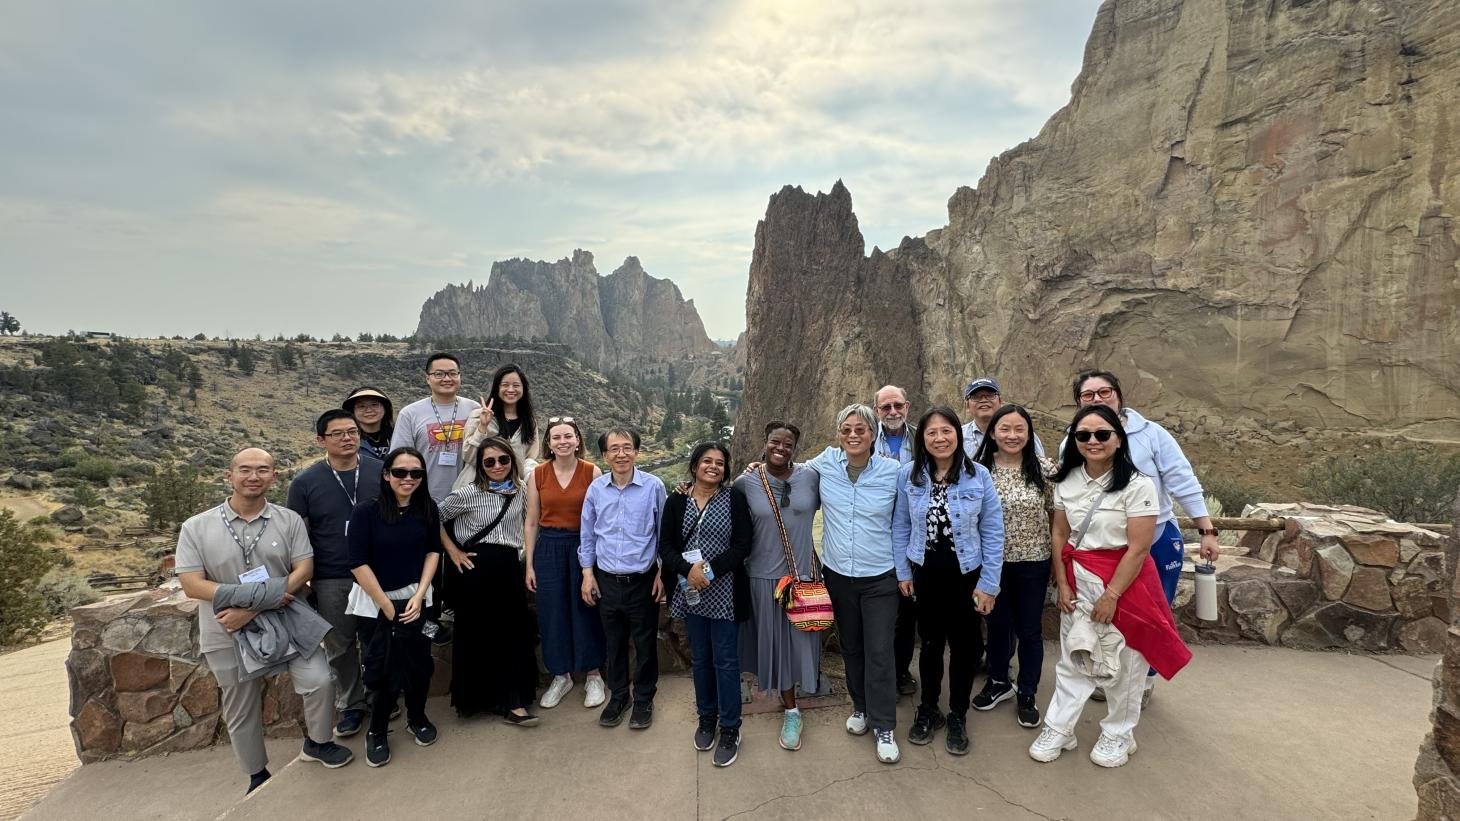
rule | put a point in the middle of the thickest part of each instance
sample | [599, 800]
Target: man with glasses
[895, 441]
[324, 494]
[981, 398]
[436, 425]
[618, 554]
[249, 549]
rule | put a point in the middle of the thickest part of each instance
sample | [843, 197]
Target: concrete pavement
[35, 742]
[1243, 733]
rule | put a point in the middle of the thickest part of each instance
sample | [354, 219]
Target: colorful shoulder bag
[807, 603]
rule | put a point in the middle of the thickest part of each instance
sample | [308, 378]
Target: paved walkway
[35, 742]
[1243, 733]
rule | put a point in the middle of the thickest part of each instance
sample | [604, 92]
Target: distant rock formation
[626, 321]
[1247, 211]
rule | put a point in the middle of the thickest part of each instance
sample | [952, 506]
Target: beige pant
[1073, 688]
[243, 703]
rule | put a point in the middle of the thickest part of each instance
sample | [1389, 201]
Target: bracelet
[1210, 531]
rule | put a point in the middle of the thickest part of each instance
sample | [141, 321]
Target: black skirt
[493, 652]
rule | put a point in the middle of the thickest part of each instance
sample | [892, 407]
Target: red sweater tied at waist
[1142, 615]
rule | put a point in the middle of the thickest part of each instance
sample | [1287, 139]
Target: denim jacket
[978, 525]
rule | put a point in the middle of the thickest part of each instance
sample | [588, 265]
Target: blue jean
[1017, 616]
[572, 632]
[1168, 551]
[713, 645]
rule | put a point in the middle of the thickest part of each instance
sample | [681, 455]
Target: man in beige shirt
[247, 539]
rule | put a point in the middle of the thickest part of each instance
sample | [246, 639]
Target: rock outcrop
[627, 321]
[1246, 210]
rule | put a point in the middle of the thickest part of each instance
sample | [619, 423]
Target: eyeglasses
[247, 471]
[891, 406]
[556, 419]
[444, 374]
[341, 435]
[408, 473]
[1102, 435]
[620, 449]
[983, 398]
[1104, 393]
[490, 462]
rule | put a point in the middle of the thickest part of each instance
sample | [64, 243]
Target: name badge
[692, 556]
[447, 458]
[257, 574]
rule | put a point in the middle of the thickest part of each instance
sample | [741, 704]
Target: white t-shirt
[434, 430]
[1107, 528]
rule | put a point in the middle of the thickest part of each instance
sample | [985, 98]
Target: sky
[267, 167]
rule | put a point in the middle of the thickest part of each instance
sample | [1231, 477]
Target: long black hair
[527, 430]
[923, 460]
[421, 505]
[1122, 468]
[1029, 459]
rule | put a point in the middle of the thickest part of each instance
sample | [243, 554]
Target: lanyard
[445, 431]
[247, 550]
[341, 482]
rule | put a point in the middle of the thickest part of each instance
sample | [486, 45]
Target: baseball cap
[979, 384]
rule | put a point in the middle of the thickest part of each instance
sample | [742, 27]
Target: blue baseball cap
[979, 384]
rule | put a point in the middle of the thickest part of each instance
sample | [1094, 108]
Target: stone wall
[1437, 773]
[140, 686]
[1333, 578]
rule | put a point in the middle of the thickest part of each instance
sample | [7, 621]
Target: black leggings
[947, 617]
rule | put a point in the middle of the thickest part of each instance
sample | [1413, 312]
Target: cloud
[335, 141]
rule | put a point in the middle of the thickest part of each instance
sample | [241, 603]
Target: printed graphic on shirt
[439, 434]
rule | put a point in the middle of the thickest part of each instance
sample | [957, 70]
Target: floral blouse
[1026, 513]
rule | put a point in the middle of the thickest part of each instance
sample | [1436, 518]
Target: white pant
[1073, 688]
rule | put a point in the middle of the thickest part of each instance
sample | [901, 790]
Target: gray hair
[858, 409]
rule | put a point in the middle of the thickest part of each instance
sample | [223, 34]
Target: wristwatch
[1211, 531]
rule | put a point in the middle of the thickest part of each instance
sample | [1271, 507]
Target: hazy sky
[318, 167]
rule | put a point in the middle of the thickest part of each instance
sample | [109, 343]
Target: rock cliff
[1246, 210]
[627, 321]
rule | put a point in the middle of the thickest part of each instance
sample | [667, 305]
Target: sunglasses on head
[556, 419]
[492, 461]
[1102, 435]
[408, 473]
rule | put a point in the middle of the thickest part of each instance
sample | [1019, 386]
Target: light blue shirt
[904, 442]
[856, 516]
[977, 516]
[620, 525]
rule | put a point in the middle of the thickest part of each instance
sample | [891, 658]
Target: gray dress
[779, 655]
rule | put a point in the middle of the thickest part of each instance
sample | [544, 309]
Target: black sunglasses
[1102, 435]
[408, 473]
[493, 461]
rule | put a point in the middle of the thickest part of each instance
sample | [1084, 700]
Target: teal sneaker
[791, 731]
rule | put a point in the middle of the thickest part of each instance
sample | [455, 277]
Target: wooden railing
[1270, 524]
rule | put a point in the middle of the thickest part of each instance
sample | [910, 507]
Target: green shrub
[94, 469]
[23, 561]
[85, 496]
[1409, 483]
[63, 589]
[173, 494]
[1234, 494]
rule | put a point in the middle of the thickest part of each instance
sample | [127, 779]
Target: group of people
[929, 531]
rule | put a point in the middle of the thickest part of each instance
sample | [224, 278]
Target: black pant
[905, 637]
[1017, 614]
[397, 659]
[866, 614]
[630, 617]
[947, 616]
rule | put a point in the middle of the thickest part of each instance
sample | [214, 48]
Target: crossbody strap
[770, 496]
[1085, 525]
[482, 534]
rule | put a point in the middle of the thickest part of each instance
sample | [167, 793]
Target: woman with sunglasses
[1019, 474]
[395, 546]
[572, 633]
[1112, 608]
[781, 657]
[507, 411]
[948, 546]
[493, 666]
[1155, 452]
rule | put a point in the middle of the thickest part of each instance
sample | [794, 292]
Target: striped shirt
[476, 508]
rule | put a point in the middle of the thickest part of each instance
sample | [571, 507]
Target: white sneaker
[887, 751]
[1050, 744]
[857, 724]
[555, 691]
[1112, 752]
[595, 694]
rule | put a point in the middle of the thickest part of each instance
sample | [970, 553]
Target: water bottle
[1206, 592]
[691, 595]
